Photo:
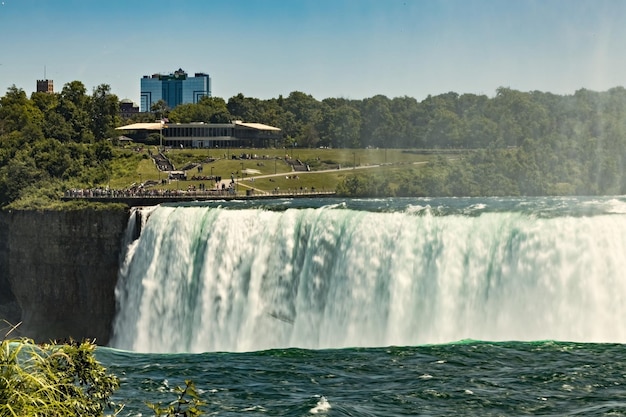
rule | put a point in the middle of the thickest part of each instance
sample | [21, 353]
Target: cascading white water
[213, 279]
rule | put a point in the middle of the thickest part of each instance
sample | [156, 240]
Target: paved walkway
[247, 182]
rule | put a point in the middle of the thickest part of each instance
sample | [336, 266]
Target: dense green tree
[105, 111]
[160, 110]
[19, 173]
[309, 138]
[51, 157]
[220, 113]
[244, 108]
[306, 110]
[444, 130]
[45, 102]
[75, 107]
[410, 123]
[207, 110]
[518, 116]
[341, 127]
[270, 112]
[56, 127]
[189, 112]
[17, 112]
[377, 125]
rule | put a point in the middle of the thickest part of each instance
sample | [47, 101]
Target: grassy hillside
[263, 170]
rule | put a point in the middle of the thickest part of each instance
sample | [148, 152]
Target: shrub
[53, 380]
[188, 403]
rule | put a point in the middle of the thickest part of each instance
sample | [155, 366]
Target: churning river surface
[388, 307]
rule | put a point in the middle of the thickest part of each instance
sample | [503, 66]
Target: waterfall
[221, 279]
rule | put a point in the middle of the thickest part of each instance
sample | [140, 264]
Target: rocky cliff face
[58, 271]
[10, 312]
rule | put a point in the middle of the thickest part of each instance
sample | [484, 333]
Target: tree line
[520, 143]
[52, 141]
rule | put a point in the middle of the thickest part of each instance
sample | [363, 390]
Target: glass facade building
[220, 135]
[207, 135]
[176, 88]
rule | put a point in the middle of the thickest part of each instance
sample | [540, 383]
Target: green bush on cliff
[53, 380]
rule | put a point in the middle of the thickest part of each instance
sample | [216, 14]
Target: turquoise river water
[389, 307]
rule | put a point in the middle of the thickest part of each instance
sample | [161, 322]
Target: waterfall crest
[215, 279]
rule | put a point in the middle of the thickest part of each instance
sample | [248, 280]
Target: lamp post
[354, 160]
[161, 136]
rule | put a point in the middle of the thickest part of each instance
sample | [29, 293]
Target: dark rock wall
[60, 269]
[5, 288]
[10, 313]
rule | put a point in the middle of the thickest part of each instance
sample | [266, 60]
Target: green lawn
[134, 165]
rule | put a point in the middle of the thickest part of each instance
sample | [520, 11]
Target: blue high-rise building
[176, 88]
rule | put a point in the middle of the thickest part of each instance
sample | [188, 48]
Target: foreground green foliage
[53, 380]
[60, 380]
[187, 403]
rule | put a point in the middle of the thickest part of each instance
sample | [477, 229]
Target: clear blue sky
[326, 48]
